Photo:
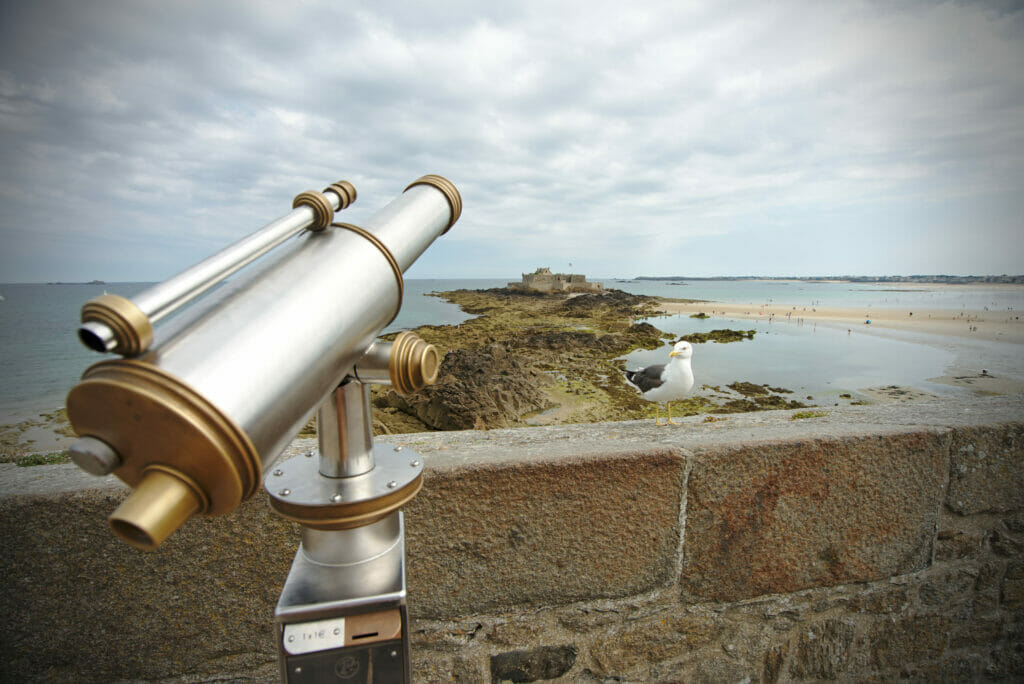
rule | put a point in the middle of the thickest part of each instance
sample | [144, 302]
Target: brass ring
[344, 516]
[387, 255]
[323, 212]
[207, 446]
[451, 193]
[413, 364]
[344, 190]
[133, 331]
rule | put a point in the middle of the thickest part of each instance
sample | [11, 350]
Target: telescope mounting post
[342, 612]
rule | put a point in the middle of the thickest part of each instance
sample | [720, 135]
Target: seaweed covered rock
[567, 340]
[723, 336]
[610, 301]
[645, 336]
[489, 387]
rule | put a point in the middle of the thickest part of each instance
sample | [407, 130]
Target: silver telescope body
[115, 324]
[192, 420]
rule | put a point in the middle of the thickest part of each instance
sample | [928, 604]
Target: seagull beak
[674, 353]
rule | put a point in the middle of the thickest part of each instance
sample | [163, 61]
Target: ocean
[41, 357]
[833, 294]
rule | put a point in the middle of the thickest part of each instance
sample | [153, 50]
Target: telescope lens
[92, 338]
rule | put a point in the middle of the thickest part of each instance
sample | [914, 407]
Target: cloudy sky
[644, 138]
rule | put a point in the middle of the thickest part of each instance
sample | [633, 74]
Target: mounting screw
[392, 484]
[336, 498]
[398, 448]
[285, 492]
[309, 454]
[415, 464]
[278, 472]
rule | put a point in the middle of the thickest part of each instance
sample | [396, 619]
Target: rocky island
[543, 358]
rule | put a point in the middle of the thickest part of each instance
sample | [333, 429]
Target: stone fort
[545, 281]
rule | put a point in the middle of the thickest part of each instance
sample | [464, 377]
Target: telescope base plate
[299, 492]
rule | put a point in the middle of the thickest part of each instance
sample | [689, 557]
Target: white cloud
[681, 123]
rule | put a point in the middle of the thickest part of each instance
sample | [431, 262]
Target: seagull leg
[668, 407]
[656, 422]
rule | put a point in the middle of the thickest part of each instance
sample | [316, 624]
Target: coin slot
[370, 628]
[368, 635]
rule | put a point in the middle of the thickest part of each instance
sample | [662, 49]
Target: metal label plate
[308, 637]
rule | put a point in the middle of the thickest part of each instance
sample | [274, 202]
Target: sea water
[41, 357]
[801, 293]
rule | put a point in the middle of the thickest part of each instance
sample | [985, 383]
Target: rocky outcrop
[568, 340]
[476, 388]
[611, 301]
[527, 351]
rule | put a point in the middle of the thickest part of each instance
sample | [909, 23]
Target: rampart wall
[872, 544]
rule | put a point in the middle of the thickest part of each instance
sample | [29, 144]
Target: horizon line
[837, 277]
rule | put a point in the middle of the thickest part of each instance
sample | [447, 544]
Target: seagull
[665, 383]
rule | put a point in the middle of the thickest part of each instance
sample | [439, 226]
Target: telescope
[197, 410]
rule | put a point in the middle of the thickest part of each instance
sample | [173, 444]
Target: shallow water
[819, 361]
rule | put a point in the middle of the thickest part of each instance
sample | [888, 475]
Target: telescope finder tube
[215, 403]
[111, 323]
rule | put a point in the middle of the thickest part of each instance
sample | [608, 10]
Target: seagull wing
[648, 378]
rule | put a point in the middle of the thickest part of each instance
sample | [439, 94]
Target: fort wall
[874, 543]
[543, 280]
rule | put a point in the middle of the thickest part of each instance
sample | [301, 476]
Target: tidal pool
[818, 361]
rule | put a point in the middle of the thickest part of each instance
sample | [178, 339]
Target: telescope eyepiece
[160, 504]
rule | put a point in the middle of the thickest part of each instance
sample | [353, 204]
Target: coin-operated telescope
[195, 414]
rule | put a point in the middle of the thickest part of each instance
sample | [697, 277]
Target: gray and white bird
[665, 383]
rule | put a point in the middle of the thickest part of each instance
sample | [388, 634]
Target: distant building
[544, 280]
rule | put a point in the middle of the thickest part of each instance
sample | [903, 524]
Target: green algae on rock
[546, 358]
[538, 358]
[724, 336]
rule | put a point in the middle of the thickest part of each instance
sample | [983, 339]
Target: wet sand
[993, 326]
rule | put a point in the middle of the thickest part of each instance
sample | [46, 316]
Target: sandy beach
[993, 326]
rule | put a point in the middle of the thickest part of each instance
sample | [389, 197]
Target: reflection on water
[819, 361]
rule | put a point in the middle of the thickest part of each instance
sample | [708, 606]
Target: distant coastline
[922, 279]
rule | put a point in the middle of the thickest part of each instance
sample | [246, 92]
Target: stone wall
[875, 543]
[544, 280]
